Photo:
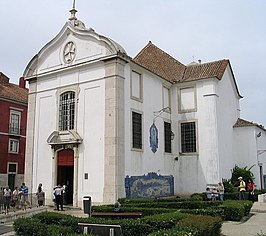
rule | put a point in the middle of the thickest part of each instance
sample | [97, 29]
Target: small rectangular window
[187, 100]
[137, 130]
[12, 168]
[166, 98]
[136, 86]
[13, 146]
[167, 137]
[188, 137]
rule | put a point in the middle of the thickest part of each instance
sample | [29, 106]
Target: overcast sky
[209, 30]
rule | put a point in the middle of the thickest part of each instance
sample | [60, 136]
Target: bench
[118, 214]
[100, 229]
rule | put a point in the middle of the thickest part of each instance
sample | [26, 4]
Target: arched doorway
[65, 172]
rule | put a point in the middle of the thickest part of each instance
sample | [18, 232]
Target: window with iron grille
[14, 125]
[67, 111]
[188, 137]
[167, 137]
[137, 130]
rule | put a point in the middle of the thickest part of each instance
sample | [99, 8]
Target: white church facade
[109, 126]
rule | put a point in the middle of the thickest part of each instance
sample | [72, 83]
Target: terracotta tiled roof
[12, 91]
[214, 69]
[244, 123]
[164, 65]
[160, 63]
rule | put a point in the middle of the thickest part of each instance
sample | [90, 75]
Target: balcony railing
[14, 130]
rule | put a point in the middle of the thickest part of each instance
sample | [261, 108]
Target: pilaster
[29, 157]
[114, 163]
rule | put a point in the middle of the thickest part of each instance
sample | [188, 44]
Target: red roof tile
[207, 70]
[12, 91]
[164, 65]
[244, 123]
[160, 63]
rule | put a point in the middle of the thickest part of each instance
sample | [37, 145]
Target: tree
[245, 173]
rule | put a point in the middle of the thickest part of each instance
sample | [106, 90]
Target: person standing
[58, 192]
[40, 196]
[221, 191]
[16, 197]
[251, 189]
[25, 194]
[7, 198]
[242, 188]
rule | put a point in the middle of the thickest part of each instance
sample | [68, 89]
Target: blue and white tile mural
[151, 185]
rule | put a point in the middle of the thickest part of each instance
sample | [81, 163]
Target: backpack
[7, 193]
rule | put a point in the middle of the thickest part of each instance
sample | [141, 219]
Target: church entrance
[65, 173]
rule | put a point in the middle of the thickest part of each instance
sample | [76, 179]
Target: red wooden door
[65, 158]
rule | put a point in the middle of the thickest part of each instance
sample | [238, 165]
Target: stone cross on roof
[73, 12]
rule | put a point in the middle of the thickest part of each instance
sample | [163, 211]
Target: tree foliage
[244, 172]
[230, 185]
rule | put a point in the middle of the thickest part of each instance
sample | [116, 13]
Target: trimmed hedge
[48, 223]
[215, 211]
[164, 220]
[229, 210]
[145, 211]
[196, 196]
[33, 227]
[193, 226]
[175, 205]
[201, 225]
[236, 210]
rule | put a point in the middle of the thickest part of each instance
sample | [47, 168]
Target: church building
[110, 126]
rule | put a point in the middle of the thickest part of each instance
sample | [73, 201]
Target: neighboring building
[250, 138]
[109, 126]
[13, 107]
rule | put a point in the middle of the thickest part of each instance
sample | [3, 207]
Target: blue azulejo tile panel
[151, 185]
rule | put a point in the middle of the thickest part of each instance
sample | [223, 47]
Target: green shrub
[175, 205]
[212, 211]
[145, 211]
[247, 206]
[172, 232]
[165, 220]
[29, 227]
[201, 225]
[229, 210]
[33, 227]
[228, 186]
[198, 197]
[58, 230]
[245, 172]
[49, 217]
[159, 216]
[144, 226]
[103, 208]
[233, 210]
[125, 201]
